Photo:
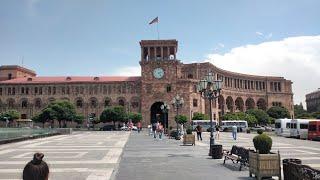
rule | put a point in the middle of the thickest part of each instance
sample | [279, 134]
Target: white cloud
[294, 58]
[264, 36]
[221, 45]
[259, 33]
[128, 71]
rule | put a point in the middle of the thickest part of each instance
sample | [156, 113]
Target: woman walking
[217, 132]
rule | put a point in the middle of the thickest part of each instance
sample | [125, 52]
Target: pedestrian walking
[154, 130]
[199, 132]
[160, 131]
[234, 131]
[217, 136]
[139, 126]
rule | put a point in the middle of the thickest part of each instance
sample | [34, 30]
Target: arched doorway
[157, 114]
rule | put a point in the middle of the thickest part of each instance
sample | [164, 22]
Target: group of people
[198, 129]
[217, 135]
[157, 130]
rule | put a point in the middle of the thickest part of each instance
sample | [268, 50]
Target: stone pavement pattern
[80, 156]
[146, 158]
[307, 151]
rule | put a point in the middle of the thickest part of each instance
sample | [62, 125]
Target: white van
[299, 128]
[282, 127]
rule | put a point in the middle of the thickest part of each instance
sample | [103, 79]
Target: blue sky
[100, 37]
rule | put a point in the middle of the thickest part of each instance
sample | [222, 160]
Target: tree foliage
[44, 116]
[181, 119]
[79, 119]
[199, 116]
[10, 115]
[113, 114]
[277, 112]
[135, 117]
[261, 116]
[241, 116]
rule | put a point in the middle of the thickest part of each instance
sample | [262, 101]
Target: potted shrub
[189, 138]
[263, 163]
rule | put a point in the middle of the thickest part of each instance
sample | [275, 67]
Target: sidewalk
[146, 158]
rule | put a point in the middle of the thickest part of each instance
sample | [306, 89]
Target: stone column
[174, 52]
[168, 52]
[155, 53]
[162, 53]
[149, 54]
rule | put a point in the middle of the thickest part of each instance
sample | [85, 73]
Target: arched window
[121, 102]
[107, 102]
[24, 104]
[9, 76]
[93, 103]
[79, 103]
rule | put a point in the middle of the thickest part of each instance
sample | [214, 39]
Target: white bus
[299, 128]
[282, 126]
[205, 124]
[241, 125]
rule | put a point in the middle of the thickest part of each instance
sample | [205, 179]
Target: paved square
[307, 151]
[82, 155]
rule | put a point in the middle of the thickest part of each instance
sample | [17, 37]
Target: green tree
[277, 112]
[199, 116]
[301, 113]
[261, 116]
[63, 111]
[181, 119]
[79, 119]
[241, 116]
[135, 117]
[44, 116]
[10, 115]
[113, 114]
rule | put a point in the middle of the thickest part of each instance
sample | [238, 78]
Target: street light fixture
[165, 108]
[177, 103]
[210, 89]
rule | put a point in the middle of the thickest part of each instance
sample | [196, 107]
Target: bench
[236, 155]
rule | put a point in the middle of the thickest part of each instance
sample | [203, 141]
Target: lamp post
[165, 108]
[210, 89]
[177, 103]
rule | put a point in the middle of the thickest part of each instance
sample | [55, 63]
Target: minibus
[205, 124]
[241, 125]
[281, 126]
[299, 128]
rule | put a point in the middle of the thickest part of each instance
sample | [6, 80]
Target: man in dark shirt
[199, 131]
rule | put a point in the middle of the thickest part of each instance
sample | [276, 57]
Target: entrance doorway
[157, 114]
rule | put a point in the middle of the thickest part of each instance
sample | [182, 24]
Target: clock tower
[160, 71]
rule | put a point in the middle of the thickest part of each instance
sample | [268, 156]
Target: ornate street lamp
[165, 108]
[210, 89]
[177, 103]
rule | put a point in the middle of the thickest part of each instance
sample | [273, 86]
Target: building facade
[313, 101]
[163, 77]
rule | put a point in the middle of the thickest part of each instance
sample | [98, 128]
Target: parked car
[108, 128]
[126, 128]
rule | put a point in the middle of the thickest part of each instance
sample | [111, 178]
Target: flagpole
[158, 29]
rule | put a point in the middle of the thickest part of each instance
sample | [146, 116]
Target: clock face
[158, 73]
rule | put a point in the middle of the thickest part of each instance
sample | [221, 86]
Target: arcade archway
[156, 114]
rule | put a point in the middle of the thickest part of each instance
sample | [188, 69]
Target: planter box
[189, 139]
[264, 165]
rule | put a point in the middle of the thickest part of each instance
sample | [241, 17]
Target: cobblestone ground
[82, 155]
[307, 151]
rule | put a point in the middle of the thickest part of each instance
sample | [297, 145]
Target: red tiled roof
[70, 79]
